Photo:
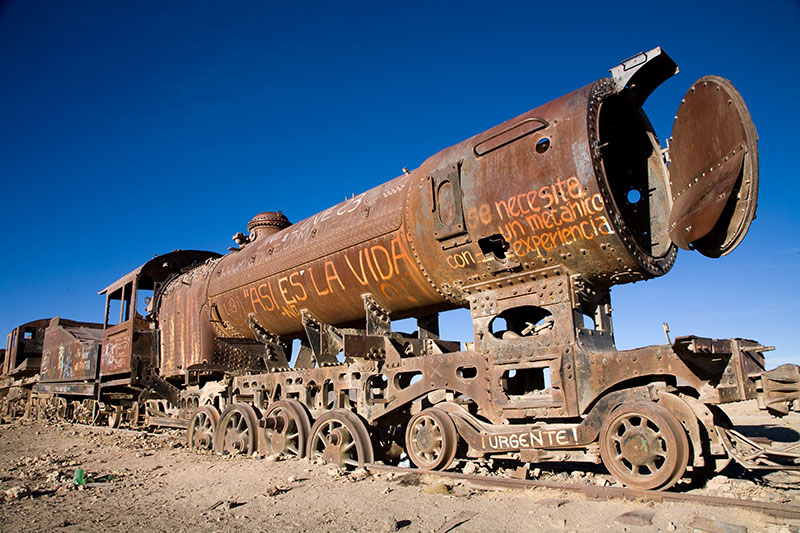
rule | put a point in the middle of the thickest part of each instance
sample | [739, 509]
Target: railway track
[778, 510]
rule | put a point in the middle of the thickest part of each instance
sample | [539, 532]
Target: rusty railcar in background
[68, 379]
[21, 365]
[285, 345]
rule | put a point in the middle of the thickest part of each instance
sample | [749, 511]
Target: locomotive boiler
[285, 344]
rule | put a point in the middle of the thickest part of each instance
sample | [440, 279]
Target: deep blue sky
[134, 128]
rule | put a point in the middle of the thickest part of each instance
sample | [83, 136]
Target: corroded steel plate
[714, 169]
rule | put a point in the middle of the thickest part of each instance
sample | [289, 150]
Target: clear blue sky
[132, 128]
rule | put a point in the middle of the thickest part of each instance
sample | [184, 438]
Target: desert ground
[149, 481]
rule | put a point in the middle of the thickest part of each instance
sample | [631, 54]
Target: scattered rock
[437, 488]
[717, 483]
[636, 518]
[409, 480]
[359, 474]
[715, 526]
[15, 493]
[274, 491]
[391, 524]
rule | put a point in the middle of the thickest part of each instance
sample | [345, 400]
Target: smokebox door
[713, 169]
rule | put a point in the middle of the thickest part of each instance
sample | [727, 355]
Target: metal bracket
[275, 350]
[160, 387]
[378, 321]
[428, 326]
[325, 340]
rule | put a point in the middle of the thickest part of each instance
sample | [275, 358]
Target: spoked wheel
[341, 438]
[236, 430]
[135, 415]
[431, 439]
[47, 408]
[98, 413]
[202, 427]
[287, 427]
[115, 417]
[62, 409]
[643, 445]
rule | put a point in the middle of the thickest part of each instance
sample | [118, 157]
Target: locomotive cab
[127, 325]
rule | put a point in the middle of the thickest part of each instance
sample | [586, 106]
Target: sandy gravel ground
[150, 482]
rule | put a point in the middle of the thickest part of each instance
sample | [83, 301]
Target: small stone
[636, 518]
[470, 468]
[718, 483]
[15, 493]
[707, 524]
[671, 527]
[273, 491]
[391, 524]
[437, 488]
[291, 479]
[274, 458]
[257, 456]
[359, 474]
[387, 490]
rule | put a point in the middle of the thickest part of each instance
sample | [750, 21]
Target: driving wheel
[286, 428]
[340, 437]
[236, 430]
[202, 427]
[431, 439]
[643, 445]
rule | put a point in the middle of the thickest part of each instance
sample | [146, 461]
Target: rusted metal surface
[70, 357]
[71, 351]
[186, 334]
[714, 168]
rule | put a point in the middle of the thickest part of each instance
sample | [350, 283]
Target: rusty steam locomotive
[528, 225]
